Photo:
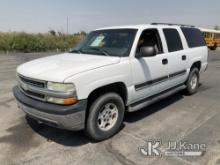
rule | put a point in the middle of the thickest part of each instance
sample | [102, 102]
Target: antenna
[67, 25]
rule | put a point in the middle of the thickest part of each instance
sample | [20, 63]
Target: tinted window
[193, 37]
[173, 40]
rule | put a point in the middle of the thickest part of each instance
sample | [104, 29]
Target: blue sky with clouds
[43, 15]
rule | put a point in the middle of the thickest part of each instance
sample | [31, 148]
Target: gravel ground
[195, 119]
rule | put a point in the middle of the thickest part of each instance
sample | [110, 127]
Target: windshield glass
[111, 42]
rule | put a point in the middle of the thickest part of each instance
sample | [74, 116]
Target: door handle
[183, 57]
[164, 61]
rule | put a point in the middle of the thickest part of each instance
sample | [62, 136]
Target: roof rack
[171, 24]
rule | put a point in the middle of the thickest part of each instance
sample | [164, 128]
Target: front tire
[192, 82]
[215, 46]
[105, 116]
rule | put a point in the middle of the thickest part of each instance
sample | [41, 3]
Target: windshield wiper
[104, 52]
[76, 51]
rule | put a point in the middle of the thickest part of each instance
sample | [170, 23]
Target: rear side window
[193, 37]
[173, 40]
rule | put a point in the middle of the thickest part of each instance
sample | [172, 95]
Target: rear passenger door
[177, 56]
[149, 74]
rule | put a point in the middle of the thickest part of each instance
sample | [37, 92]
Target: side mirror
[147, 51]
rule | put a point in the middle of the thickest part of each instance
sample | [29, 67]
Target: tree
[217, 27]
[83, 33]
[52, 32]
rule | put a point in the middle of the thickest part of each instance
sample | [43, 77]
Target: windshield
[111, 42]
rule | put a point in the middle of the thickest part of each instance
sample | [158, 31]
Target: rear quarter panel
[197, 54]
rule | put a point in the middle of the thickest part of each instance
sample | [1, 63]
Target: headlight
[61, 87]
[64, 88]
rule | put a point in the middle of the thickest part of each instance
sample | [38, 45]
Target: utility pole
[67, 25]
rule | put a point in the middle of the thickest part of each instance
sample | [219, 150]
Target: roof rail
[171, 24]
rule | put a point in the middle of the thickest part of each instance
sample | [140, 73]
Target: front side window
[173, 40]
[150, 37]
[111, 42]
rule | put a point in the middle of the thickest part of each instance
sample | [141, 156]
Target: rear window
[173, 40]
[194, 37]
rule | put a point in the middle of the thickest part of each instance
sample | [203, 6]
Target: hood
[59, 67]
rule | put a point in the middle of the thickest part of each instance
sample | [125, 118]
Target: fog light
[66, 101]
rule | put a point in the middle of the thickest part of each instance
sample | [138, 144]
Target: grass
[41, 42]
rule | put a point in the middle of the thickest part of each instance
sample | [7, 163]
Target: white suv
[113, 70]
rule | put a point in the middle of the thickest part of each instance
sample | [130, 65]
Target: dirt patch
[120, 157]
[6, 102]
[20, 139]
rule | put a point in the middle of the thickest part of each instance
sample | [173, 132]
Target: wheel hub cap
[193, 82]
[108, 116]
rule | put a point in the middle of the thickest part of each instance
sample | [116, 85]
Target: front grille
[32, 82]
[26, 85]
[35, 94]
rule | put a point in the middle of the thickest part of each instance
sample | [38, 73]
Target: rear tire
[214, 47]
[105, 116]
[192, 82]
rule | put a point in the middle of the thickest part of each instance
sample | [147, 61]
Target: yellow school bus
[212, 38]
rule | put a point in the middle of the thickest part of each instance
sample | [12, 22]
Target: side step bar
[155, 98]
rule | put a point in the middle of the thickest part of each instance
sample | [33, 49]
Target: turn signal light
[69, 101]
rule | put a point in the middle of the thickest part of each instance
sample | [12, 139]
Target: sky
[85, 15]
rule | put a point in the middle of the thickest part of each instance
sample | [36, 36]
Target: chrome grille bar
[32, 89]
[33, 82]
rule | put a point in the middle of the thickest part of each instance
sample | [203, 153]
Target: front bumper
[71, 117]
